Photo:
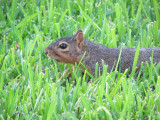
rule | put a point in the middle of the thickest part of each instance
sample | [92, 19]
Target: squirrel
[71, 50]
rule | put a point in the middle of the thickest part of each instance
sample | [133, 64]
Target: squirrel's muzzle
[46, 51]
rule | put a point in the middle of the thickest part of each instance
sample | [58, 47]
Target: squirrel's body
[110, 56]
[71, 50]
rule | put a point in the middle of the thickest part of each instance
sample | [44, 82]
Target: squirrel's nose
[45, 51]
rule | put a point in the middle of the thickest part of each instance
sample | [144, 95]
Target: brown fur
[95, 53]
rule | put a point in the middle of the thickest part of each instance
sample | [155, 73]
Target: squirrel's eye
[63, 46]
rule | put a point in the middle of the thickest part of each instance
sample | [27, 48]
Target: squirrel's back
[97, 53]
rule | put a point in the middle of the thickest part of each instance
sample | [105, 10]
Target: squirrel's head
[67, 49]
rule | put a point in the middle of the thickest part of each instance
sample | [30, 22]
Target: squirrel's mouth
[51, 54]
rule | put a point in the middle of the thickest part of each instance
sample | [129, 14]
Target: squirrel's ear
[78, 31]
[80, 39]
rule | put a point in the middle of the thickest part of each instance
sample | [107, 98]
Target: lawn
[32, 86]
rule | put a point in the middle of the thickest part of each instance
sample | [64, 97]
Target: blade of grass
[155, 32]
[118, 19]
[114, 37]
[135, 60]
[69, 8]
[1, 13]
[138, 12]
[156, 6]
[87, 18]
[52, 107]
[106, 111]
[31, 83]
[14, 6]
[14, 60]
[118, 85]
[26, 20]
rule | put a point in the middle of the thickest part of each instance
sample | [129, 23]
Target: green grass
[28, 26]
